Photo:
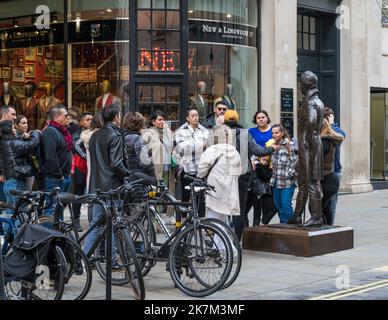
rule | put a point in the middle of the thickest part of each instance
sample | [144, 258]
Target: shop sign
[124, 73]
[287, 109]
[157, 60]
[222, 32]
[30, 37]
[84, 74]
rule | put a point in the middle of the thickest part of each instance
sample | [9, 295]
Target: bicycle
[37, 286]
[200, 252]
[78, 277]
[153, 200]
[127, 267]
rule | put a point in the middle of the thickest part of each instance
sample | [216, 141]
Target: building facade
[156, 54]
[172, 54]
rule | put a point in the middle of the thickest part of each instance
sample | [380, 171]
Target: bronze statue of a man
[310, 163]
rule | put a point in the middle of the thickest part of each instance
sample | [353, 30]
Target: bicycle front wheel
[125, 264]
[237, 252]
[200, 259]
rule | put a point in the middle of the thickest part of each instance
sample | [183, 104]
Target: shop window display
[222, 72]
[32, 80]
[100, 75]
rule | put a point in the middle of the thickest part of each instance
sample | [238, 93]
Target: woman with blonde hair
[221, 164]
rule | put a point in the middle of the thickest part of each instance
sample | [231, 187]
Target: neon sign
[158, 59]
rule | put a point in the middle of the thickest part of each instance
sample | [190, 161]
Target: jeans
[93, 235]
[51, 183]
[332, 204]
[2, 198]
[12, 184]
[283, 201]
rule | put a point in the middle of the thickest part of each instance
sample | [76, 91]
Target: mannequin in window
[47, 102]
[199, 102]
[227, 98]
[28, 106]
[106, 98]
[7, 99]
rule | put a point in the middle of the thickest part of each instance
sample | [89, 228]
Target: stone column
[278, 53]
[355, 100]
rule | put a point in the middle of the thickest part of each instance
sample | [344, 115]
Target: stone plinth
[298, 241]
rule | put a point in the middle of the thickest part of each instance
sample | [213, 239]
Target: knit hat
[231, 115]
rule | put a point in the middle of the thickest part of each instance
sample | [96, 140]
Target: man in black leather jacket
[107, 161]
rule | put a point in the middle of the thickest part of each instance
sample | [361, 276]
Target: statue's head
[48, 89]
[105, 86]
[309, 81]
[28, 90]
[201, 87]
[229, 90]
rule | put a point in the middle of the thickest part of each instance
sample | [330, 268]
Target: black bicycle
[30, 208]
[200, 255]
[126, 267]
[32, 273]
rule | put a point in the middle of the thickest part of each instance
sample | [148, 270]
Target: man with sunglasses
[217, 117]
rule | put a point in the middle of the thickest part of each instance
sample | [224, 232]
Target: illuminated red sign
[158, 59]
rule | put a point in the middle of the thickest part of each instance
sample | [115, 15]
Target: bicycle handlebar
[197, 182]
[34, 194]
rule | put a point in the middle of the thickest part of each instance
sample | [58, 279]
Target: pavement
[357, 274]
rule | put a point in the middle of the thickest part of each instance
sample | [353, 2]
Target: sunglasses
[222, 109]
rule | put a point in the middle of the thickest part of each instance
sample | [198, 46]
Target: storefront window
[223, 57]
[242, 12]
[99, 37]
[218, 71]
[31, 58]
[160, 97]
[158, 36]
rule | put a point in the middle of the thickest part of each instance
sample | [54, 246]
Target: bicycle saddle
[67, 198]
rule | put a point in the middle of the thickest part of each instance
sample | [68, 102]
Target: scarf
[66, 134]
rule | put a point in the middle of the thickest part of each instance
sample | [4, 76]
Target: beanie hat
[231, 115]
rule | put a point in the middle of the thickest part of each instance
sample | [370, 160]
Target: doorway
[379, 135]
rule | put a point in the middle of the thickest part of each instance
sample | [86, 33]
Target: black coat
[139, 158]
[108, 159]
[21, 152]
[54, 154]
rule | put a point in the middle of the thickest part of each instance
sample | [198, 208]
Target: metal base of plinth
[298, 241]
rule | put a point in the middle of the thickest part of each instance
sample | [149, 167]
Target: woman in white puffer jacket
[222, 174]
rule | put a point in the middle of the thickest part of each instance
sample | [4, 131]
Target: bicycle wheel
[50, 280]
[125, 264]
[237, 252]
[141, 243]
[200, 260]
[78, 279]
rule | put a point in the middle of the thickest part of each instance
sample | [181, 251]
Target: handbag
[21, 172]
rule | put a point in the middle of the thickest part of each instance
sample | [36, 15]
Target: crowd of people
[253, 168]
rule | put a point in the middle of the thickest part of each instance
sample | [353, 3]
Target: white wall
[279, 53]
